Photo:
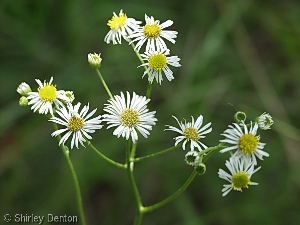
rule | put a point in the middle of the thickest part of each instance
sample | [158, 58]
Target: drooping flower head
[241, 169]
[153, 33]
[120, 27]
[157, 64]
[265, 121]
[46, 96]
[191, 132]
[244, 141]
[77, 124]
[129, 115]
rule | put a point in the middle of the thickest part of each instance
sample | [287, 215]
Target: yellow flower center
[240, 180]
[117, 22]
[157, 61]
[191, 133]
[75, 123]
[248, 143]
[48, 92]
[152, 31]
[129, 117]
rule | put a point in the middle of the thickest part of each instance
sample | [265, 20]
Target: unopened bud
[239, 117]
[23, 101]
[23, 89]
[94, 60]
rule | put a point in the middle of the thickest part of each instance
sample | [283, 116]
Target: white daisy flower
[244, 141]
[157, 62]
[152, 33]
[265, 121]
[77, 123]
[45, 97]
[128, 115]
[191, 131]
[192, 158]
[120, 26]
[241, 170]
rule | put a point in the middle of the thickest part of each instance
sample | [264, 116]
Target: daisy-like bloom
[192, 158]
[191, 131]
[77, 124]
[265, 121]
[244, 141]
[241, 170]
[23, 89]
[120, 26]
[128, 115]
[152, 33]
[157, 62]
[47, 94]
[94, 60]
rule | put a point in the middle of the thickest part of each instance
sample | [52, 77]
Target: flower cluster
[153, 33]
[243, 139]
[130, 116]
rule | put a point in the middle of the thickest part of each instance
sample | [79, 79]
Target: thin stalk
[150, 85]
[171, 197]
[65, 151]
[122, 166]
[156, 154]
[104, 84]
[130, 166]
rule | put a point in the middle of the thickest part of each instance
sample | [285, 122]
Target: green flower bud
[23, 101]
[200, 168]
[239, 117]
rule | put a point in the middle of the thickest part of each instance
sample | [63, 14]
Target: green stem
[65, 151]
[150, 85]
[104, 84]
[156, 154]
[209, 151]
[130, 167]
[149, 89]
[171, 197]
[122, 166]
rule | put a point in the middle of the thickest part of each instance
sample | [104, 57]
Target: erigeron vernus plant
[131, 117]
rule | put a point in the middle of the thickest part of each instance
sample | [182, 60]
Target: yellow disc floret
[157, 61]
[248, 143]
[152, 31]
[240, 180]
[117, 22]
[191, 133]
[48, 93]
[129, 117]
[75, 123]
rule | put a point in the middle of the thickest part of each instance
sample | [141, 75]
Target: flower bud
[200, 168]
[192, 158]
[23, 89]
[264, 121]
[239, 117]
[70, 96]
[23, 101]
[94, 60]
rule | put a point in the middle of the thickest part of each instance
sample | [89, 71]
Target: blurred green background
[242, 55]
